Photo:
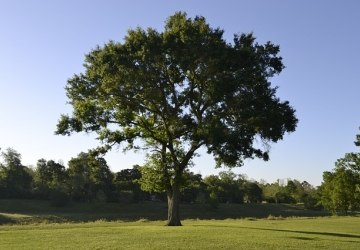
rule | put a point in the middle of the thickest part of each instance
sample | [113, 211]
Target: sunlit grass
[291, 233]
[29, 224]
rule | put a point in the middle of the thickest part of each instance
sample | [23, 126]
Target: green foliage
[126, 179]
[15, 179]
[90, 179]
[178, 90]
[312, 199]
[184, 86]
[49, 177]
[293, 192]
[127, 183]
[252, 192]
[227, 187]
[193, 189]
[340, 190]
[213, 186]
[270, 191]
[155, 175]
[88, 175]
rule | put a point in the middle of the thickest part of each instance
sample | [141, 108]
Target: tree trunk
[173, 196]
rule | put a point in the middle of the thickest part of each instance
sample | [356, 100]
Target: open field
[28, 224]
[290, 233]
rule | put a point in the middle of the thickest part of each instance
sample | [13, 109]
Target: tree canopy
[175, 91]
[340, 190]
[89, 175]
[15, 179]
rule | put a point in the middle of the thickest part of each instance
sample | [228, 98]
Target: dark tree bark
[173, 196]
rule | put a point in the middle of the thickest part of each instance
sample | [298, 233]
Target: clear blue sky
[42, 44]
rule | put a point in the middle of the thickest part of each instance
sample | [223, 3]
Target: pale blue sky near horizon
[43, 43]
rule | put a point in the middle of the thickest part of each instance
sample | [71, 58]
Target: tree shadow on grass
[343, 235]
[315, 233]
[303, 238]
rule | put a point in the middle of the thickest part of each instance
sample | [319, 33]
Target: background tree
[89, 177]
[277, 192]
[232, 187]
[193, 188]
[191, 184]
[252, 192]
[309, 196]
[227, 187]
[214, 190]
[340, 190]
[270, 191]
[49, 178]
[179, 90]
[296, 190]
[126, 181]
[15, 178]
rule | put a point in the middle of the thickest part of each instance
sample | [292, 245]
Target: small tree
[177, 91]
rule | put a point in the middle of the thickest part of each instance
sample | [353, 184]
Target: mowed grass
[29, 224]
[290, 233]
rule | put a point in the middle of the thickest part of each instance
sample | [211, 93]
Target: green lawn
[290, 233]
[29, 224]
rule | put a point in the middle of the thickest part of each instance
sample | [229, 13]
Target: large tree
[175, 91]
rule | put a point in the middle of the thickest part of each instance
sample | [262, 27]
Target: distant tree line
[88, 178]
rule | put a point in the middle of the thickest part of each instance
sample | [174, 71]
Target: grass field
[36, 225]
[290, 233]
